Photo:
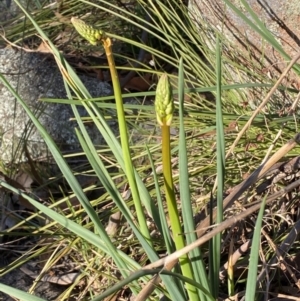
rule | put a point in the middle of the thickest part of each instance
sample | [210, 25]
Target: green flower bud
[164, 105]
[91, 34]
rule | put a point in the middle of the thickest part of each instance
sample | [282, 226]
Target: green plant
[95, 36]
[199, 70]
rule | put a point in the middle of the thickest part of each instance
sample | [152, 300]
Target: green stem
[124, 141]
[173, 211]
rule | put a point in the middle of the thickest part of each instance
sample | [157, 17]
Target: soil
[20, 280]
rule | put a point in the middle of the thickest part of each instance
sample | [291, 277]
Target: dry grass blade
[264, 102]
[148, 289]
[280, 256]
[230, 269]
[279, 297]
[257, 174]
[234, 258]
[283, 248]
[171, 260]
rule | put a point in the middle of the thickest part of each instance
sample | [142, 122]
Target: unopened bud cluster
[164, 104]
[90, 33]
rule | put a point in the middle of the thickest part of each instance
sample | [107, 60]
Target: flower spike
[164, 104]
[90, 33]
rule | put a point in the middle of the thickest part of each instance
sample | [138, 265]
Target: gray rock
[8, 10]
[281, 18]
[34, 76]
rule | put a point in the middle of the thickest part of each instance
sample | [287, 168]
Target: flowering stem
[164, 113]
[95, 36]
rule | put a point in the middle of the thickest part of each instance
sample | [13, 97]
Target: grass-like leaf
[254, 256]
[198, 266]
[216, 246]
[22, 296]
